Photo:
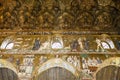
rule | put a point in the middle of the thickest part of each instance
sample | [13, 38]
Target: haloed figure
[36, 44]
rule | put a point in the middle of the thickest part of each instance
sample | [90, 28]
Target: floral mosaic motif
[59, 15]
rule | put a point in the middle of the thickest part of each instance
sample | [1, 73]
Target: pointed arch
[56, 62]
[110, 63]
[6, 64]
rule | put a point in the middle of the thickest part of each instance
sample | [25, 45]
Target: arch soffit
[114, 61]
[56, 62]
[6, 64]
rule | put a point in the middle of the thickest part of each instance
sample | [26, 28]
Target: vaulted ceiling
[81, 15]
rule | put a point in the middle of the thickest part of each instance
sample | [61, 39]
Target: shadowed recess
[109, 73]
[7, 74]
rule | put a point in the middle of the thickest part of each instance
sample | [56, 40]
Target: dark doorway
[109, 73]
[7, 74]
[56, 73]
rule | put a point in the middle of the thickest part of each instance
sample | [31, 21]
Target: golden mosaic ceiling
[87, 15]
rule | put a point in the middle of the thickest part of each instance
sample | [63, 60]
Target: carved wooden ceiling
[87, 15]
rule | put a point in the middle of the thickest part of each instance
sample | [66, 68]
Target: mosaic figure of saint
[99, 45]
[84, 63]
[74, 45]
[18, 63]
[86, 44]
[80, 42]
[36, 44]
